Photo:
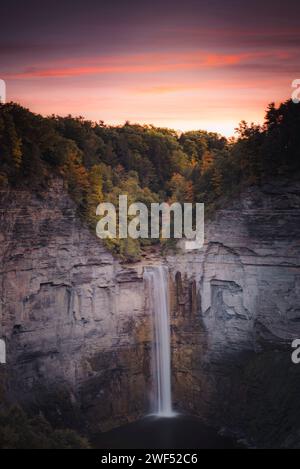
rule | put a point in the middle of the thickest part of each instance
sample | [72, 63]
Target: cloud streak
[148, 63]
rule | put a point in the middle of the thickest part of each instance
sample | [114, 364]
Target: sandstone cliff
[73, 318]
[78, 330]
[235, 315]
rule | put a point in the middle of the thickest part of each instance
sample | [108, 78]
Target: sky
[187, 65]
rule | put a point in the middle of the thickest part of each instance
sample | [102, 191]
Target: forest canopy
[99, 162]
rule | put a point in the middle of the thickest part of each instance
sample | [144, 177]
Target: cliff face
[78, 331]
[232, 359]
[73, 319]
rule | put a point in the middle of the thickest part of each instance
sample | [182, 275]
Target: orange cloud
[146, 63]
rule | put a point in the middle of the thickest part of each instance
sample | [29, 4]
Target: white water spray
[157, 281]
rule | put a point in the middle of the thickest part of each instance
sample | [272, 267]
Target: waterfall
[156, 278]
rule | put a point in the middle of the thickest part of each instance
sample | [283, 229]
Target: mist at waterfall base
[163, 428]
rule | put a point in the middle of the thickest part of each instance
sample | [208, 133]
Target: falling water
[157, 281]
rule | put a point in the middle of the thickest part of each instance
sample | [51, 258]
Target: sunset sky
[181, 64]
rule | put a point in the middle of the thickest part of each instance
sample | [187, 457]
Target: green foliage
[19, 431]
[197, 142]
[149, 164]
[128, 184]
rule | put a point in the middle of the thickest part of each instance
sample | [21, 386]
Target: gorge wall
[78, 330]
[235, 314]
[72, 317]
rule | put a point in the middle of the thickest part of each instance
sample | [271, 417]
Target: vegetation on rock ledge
[18, 431]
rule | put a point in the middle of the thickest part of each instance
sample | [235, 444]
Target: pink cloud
[142, 63]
